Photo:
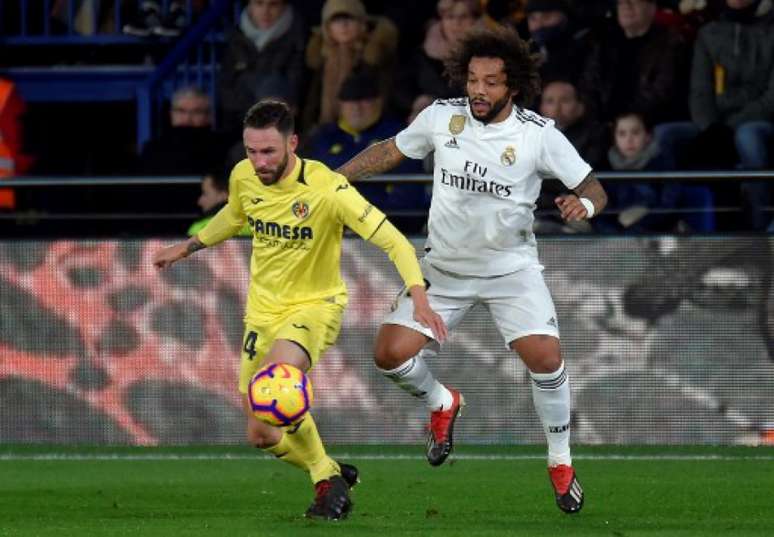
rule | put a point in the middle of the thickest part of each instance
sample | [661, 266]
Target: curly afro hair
[521, 66]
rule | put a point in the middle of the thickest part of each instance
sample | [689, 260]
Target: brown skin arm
[376, 159]
[570, 206]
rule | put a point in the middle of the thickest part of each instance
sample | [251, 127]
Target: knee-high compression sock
[414, 377]
[305, 445]
[551, 396]
[284, 452]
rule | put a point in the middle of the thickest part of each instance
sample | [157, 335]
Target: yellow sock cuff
[324, 469]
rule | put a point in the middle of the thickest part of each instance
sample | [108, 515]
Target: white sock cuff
[550, 381]
[403, 369]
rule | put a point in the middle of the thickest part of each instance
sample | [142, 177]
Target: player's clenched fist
[571, 208]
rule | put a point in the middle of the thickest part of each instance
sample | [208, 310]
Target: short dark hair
[521, 66]
[270, 113]
[219, 177]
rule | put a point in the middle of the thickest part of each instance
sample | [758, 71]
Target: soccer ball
[280, 394]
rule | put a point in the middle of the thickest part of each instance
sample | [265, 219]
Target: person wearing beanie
[361, 123]
[347, 39]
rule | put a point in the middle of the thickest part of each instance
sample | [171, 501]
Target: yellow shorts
[314, 327]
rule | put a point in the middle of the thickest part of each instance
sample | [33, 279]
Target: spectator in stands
[562, 45]
[347, 39]
[561, 102]
[13, 161]
[636, 149]
[190, 146]
[505, 12]
[362, 123]
[148, 19]
[732, 91]
[732, 102]
[422, 77]
[264, 57]
[213, 198]
[638, 65]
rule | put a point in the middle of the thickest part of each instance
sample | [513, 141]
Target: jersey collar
[289, 182]
[485, 128]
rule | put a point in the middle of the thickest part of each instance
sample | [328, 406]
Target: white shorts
[520, 303]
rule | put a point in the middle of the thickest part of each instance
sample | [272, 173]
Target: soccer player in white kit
[490, 157]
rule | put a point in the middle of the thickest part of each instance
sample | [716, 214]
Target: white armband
[588, 206]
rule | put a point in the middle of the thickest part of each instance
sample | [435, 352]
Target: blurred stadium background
[118, 408]
[668, 341]
[667, 333]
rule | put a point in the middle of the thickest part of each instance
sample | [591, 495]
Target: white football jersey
[486, 181]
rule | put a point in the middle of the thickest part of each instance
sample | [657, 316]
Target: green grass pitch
[482, 491]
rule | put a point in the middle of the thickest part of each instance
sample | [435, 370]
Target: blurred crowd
[635, 85]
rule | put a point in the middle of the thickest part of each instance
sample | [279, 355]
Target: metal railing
[128, 186]
[681, 176]
[191, 60]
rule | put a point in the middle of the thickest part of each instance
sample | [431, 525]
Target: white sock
[414, 376]
[551, 396]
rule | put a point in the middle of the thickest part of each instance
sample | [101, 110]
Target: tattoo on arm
[374, 160]
[592, 189]
[194, 245]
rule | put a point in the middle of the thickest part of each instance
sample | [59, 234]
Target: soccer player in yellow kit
[297, 210]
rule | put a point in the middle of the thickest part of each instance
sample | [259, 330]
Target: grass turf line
[468, 498]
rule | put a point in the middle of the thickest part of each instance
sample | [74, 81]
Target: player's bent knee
[389, 354]
[541, 354]
[550, 363]
[396, 344]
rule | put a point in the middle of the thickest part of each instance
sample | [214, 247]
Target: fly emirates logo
[474, 180]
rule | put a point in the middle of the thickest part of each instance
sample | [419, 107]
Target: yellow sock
[284, 452]
[305, 445]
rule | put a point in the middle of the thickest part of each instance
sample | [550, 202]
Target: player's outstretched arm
[376, 159]
[589, 199]
[167, 256]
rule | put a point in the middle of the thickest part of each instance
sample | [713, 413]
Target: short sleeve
[416, 140]
[354, 211]
[558, 158]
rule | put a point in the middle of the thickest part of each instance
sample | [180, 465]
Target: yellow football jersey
[297, 226]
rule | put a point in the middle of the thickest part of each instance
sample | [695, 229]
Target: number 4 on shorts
[249, 347]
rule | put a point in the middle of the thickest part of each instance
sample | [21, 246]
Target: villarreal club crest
[300, 209]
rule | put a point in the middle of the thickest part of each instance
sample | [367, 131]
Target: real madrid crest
[508, 158]
[456, 124]
[300, 209]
